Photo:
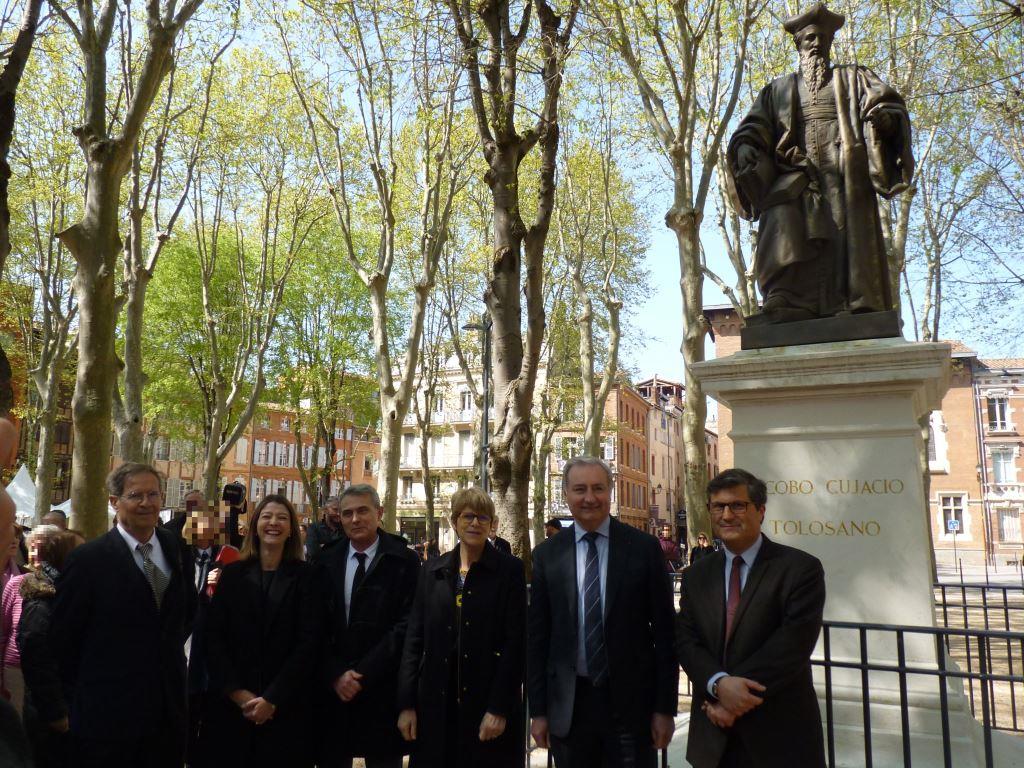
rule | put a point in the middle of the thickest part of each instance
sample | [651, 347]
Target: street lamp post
[485, 329]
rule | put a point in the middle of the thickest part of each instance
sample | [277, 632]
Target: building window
[1009, 524]
[467, 401]
[407, 488]
[999, 413]
[952, 509]
[438, 404]
[367, 464]
[162, 449]
[286, 423]
[1002, 466]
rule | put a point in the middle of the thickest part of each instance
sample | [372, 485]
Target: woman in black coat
[460, 686]
[46, 710]
[262, 641]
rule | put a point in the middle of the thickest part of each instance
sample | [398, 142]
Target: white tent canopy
[23, 491]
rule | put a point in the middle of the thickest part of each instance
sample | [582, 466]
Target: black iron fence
[991, 678]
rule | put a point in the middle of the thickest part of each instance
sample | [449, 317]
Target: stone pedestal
[834, 430]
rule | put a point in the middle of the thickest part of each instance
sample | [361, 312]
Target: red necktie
[735, 586]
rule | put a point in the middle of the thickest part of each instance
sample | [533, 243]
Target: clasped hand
[736, 697]
[255, 709]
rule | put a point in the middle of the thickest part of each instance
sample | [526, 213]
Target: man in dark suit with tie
[750, 618]
[123, 609]
[372, 580]
[602, 673]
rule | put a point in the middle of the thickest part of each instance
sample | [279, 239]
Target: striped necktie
[157, 579]
[593, 619]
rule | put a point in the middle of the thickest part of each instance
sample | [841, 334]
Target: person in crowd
[703, 548]
[463, 666]
[603, 675]
[431, 550]
[46, 709]
[502, 545]
[56, 517]
[14, 748]
[11, 678]
[749, 621]
[552, 527]
[194, 499]
[325, 533]
[372, 578]
[669, 550]
[263, 639]
[206, 531]
[122, 612]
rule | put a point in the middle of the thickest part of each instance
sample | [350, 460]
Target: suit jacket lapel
[716, 602]
[119, 549]
[564, 571]
[276, 594]
[617, 559]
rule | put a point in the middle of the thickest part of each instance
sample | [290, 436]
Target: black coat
[121, 658]
[643, 674]
[44, 696]
[491, 661]
[266, 643]
[198, 674]
[774, 632]
[370, 642]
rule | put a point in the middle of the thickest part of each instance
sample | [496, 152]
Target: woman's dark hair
[292, 547]
[757, 491]
[54, 550]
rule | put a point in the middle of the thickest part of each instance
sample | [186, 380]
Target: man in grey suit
[602, 673]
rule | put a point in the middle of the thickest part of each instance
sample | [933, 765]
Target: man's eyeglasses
[471, 517]
[736, 507]
[137, 498]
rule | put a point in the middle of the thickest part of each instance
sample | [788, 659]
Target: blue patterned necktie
[593, 620]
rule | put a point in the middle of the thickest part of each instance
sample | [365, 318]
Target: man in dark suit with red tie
[750, 617]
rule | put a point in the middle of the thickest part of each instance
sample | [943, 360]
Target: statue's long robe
[820, 244]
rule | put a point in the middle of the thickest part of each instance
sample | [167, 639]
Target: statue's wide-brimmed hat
[819, 16]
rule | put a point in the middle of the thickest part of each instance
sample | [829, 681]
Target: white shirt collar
[601, 529]
[132, 542]
[371, 551]
[750, 555]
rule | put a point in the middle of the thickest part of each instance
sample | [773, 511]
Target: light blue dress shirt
[582, 548]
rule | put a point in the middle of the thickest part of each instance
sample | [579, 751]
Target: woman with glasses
[460, 687]
[262, 643]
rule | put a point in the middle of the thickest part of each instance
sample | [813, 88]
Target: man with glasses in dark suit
[750, 617]
[123, 609]
[602, 674]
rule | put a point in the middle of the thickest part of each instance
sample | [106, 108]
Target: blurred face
[195, 500]
[702, 540]
[274, 525]
[204, 529]
[138, 506]
[360, 519]
[736, 521]
[550, 530]
[332, 513]
[473, 528]
[588, 495]
[666, 532]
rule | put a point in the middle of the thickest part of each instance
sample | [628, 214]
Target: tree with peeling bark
[322, 363]
[255, 201]
[45, 158]
[497, 54]
[370, 56]
[107, 139]
[687, 61]
[165, 157]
